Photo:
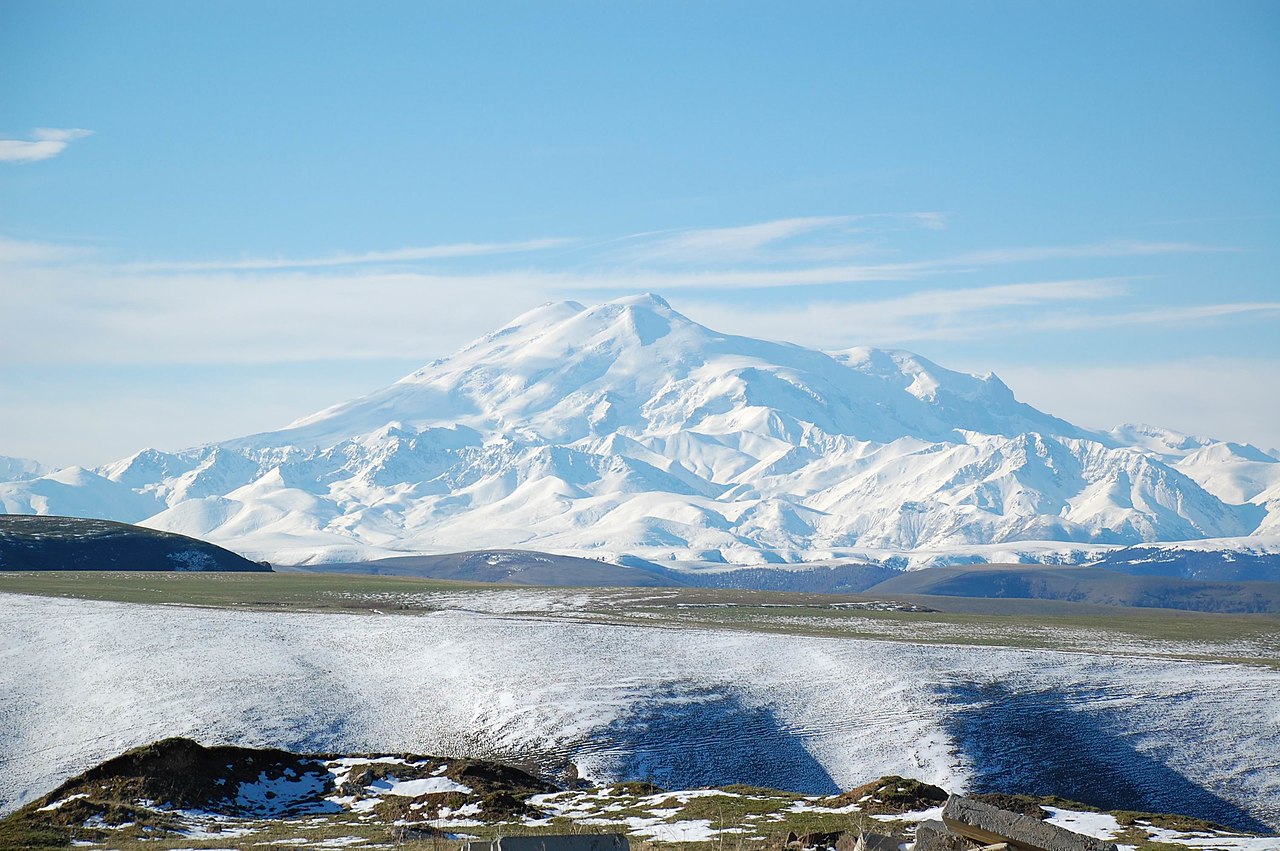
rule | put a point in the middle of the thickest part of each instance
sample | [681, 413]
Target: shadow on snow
[1038, 743]
[688, 739]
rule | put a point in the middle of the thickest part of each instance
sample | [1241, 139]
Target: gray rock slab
[990, 825]
[877, 842]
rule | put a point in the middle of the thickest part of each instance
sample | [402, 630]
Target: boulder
[877, 842]
[820, 840]
[988, 825]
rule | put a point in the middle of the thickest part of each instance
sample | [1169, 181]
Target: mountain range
[628, 428]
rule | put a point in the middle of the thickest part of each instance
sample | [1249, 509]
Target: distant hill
[74, 543]
[1208, 565]
[1085, 585]
[528, 567]
[519, 567]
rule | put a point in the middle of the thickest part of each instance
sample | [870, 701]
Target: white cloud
[732, 243]
[399, 255]
[969, 313]
[805, 238]
[45, 142]
[958, 313]
[61, 307]
[1158, 315]
[1119, 248]
[17, 252]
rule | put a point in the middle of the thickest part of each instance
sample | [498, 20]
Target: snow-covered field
[82, 680]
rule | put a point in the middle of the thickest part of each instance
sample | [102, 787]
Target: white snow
[693, 830]
[75, 689]
[58, 804]
[414, 788]
[1214, 842]
[627, 427]
[1100, 825]
[272, 796]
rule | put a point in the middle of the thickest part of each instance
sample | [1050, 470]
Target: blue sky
[217, 217]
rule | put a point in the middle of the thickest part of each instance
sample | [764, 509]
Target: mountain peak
[652, 301]
[627, 426]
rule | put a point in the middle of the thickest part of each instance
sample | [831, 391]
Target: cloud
[1119, 248]
[65, 307]
[399, 255]
[801, 238]
[932, 314]
[16, 252]
[710, 244]
[967, 313]
[360, 305]
[45, 142]
[1160, 315]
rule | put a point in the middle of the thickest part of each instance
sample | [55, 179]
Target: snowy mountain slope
[627, 427]
[17, 469]
[77, 492]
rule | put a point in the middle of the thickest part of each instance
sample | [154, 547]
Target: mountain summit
[628, 427]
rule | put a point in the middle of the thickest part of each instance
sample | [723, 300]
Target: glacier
[627, 427]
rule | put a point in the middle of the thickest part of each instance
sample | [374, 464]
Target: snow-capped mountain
[627, 427]
[18, 469]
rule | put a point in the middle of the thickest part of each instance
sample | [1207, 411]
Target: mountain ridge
[627, 427]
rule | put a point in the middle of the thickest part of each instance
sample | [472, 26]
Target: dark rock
[933, 835]
[817, 840]
[868, 841]
[990, 825]
[413, 833]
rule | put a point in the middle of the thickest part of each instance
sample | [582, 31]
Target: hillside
[1150, 709]
[628, 428]
[1085, 585]
[177, 790]
[517, 567]
[72, 543]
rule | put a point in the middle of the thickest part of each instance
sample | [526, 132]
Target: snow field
[81, 681]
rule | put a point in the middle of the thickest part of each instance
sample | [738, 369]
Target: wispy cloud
[971, 313]
[45, 142]
[1161, 315]
[1119, 248]
[376, 304]
[399, 255]
[792, 239]
[923, 315]
[712, 276]
[732, 243]
[18, 252]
